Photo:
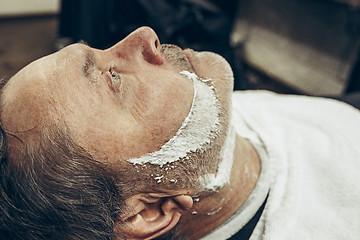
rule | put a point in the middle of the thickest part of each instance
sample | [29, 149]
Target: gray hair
[55, 190]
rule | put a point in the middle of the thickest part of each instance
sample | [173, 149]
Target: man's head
[82, 105]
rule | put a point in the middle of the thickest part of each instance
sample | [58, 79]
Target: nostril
[157, 43]
[152, 53]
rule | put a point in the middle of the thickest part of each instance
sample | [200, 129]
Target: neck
[211, 209]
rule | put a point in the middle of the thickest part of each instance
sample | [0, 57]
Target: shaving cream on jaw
[198, 129]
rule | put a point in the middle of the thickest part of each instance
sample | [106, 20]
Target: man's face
[119, 103]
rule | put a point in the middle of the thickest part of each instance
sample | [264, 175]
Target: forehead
[45, 69]
[30, 90]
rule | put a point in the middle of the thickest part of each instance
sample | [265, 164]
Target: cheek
[145, 120]
[102, 127]
[102, 132]
[169, 103]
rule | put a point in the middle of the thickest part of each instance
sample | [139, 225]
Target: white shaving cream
[213, 181]
[197, 130]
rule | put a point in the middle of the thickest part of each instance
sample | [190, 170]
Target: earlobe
[153, 219]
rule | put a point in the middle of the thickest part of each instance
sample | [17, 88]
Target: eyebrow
[89, 64]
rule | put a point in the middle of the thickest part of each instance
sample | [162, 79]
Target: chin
[213, 66]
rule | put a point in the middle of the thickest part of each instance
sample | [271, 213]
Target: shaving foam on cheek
[215, 181]
[198, 129]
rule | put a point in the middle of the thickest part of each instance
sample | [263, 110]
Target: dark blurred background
[289, 46]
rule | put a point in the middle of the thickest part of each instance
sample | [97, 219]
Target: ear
[153, 216]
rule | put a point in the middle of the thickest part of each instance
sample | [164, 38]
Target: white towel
[314, 151]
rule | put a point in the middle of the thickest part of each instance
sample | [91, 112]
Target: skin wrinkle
[139, 108]
[142, 117]
[141, 103]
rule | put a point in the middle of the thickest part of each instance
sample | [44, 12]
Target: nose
[142, 42]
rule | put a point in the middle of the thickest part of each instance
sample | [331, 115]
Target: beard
[192, 158]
